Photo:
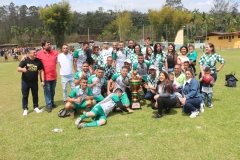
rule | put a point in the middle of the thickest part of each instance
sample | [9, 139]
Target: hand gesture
[108, 92]
[96, 82]
[84, 74]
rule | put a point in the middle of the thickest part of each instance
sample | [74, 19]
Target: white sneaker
[25, 112]
[194, 114]
[210, 106]
[201, 108]
[37, 110]
[78, 120]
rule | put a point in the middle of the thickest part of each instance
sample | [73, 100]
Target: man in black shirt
[29, 69]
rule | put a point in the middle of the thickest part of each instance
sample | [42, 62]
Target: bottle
[56, 130]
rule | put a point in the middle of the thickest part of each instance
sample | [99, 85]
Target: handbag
[231, 80]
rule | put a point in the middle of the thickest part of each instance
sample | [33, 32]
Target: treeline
[22, 24]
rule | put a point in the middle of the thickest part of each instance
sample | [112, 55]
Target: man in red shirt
[48, 56]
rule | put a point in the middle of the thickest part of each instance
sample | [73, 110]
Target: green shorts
[99, 113]
[98, 98]
[82, 105]
[124, 99]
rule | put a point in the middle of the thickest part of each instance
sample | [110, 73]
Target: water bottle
[56, 130]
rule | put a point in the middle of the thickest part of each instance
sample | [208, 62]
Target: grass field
[215, 134]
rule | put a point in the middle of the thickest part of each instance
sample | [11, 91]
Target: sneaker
[167, 111]
[54, 105]
[37, 110]
[157, 116]
[25, 112]
[194, 114]
[78, 121]
[48, 109]
[80, 126]
[201, 108]
[210, 106]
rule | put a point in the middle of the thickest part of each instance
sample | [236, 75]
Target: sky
[92, 5]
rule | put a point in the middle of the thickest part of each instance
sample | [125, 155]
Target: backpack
[231, 80]
[63, 113]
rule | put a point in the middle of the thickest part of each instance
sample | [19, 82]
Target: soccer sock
[85, 115]
[92, 124]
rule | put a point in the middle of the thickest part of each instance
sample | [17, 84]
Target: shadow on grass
[172, 112]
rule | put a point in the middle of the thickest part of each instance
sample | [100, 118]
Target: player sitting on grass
[80, 98]
[101, 110]
[96, 82]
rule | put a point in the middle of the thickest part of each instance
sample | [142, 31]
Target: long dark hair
[174, 54]
[155, 50]
[139, 48]
[166, 76]
[168, 86]
[146, 56]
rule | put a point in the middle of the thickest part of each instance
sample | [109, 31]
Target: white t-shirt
[66, 64]
[121, 57]
[105, 54]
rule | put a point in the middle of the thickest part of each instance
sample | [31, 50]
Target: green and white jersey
[96, 89]
[134, 58]
[98, 61]
[81, 57]
[142, 69]
[109, 103]
[120, 57]
[78, 92]
[129, 51]
[210, 61]
[120, 82]
[159, 61]
[78, 75]
[152, 81]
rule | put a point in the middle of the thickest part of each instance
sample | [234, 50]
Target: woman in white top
[183, 57]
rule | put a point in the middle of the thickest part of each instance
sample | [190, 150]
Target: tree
[124, 23]
[57, 18]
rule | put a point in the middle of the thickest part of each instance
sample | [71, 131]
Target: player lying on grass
[101, 110]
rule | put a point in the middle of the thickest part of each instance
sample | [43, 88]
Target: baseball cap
[106, 42]
[127, 60]
[152, 67]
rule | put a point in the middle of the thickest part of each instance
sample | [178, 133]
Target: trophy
[135, 83]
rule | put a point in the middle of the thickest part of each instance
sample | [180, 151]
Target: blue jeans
[49, 92]
[192, 104]
[209, 98]
[65, 79]
[26, 86]
[149, 95]
[170, 70]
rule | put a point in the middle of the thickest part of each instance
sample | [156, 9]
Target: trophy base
[136, 105]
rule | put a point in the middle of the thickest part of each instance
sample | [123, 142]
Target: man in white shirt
[106, 52]
[65, 61]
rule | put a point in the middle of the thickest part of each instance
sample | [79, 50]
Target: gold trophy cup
[135, 83]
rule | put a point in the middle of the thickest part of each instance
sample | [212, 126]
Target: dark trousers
[149, 95]
[192, 104]
[26, 86]
[165, 103]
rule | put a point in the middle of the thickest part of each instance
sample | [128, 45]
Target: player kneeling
[80, 98]
[101, 110]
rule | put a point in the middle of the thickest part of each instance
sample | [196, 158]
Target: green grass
[212, 135]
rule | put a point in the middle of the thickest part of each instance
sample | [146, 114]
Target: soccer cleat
[194, 114]
[78, 121]
[37, 110]
[201, 108]
[25, 112]
[80, 126]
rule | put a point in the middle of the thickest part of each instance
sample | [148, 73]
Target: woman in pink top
[183, 57]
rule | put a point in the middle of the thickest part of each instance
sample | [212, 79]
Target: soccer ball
[207, 78]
